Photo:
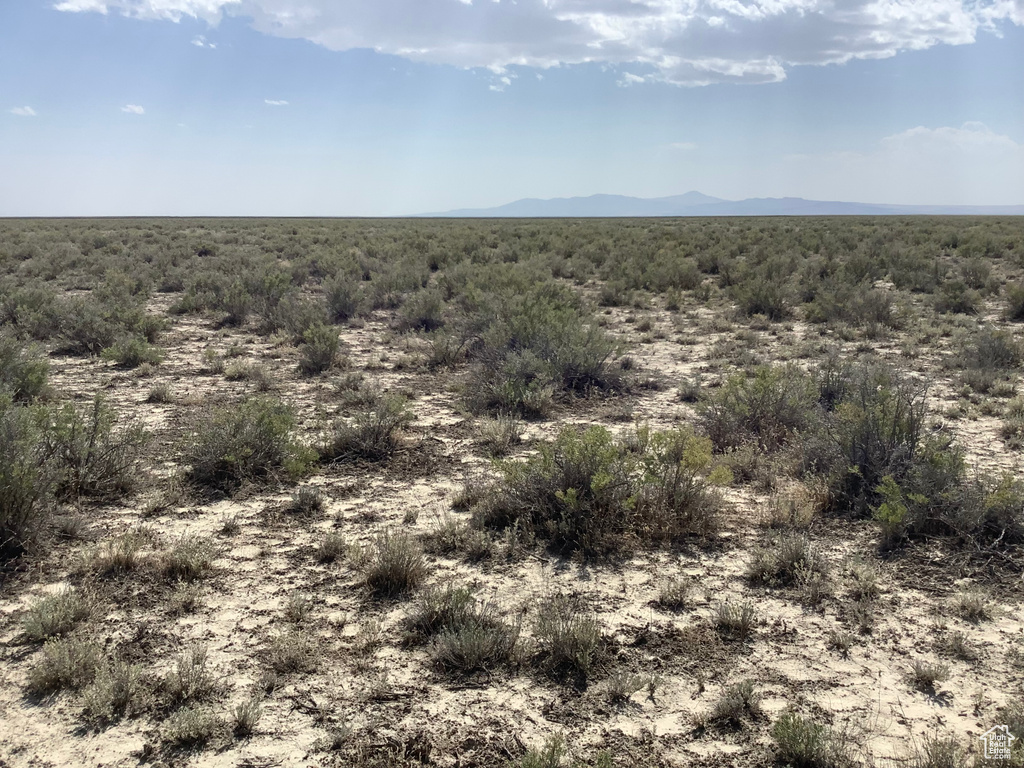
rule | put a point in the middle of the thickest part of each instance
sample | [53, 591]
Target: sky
[393, 107]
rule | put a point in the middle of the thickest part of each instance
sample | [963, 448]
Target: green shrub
[769, 408]
[1014, 302]
[954, 297]
[23, 370]
[588, 493]
[248, 443]
[423, 311]
[237, 302]
[319, 351]
[760, 296]
[343, 297]
[534, 343]
[878, 427]
[133, 352]
[26, 479]
[91, 456]
[372, 434]
[466, 634]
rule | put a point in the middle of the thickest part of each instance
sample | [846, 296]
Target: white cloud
[133, 109]
[688, 42]
[684, 146]
[971, 164]
[23, 112]
[276, 102]
[200, 41]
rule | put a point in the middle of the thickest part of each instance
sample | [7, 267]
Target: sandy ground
[367, 680]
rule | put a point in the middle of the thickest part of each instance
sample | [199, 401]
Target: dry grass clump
[245, 716]
[56, 615]
[925, 674]
[392, 564]
[307, 502]
[735, 619]
[67, 663]
[291, 652]
[193, 728]
[802, 743]
[189, 559]
[372, 434]
[974, 605]
[332, 546]
[501, 434]
[789, 559]
[120, 689]
[674, 594]
[191, 679]
[739, 702]
[568, 638]
[465, 634]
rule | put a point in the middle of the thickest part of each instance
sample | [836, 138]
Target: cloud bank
[23, 112]
[133, 109]
[685, 42]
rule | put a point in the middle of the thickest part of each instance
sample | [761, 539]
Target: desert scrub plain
[721, 492]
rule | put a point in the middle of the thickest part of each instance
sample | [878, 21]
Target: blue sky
[390, 107]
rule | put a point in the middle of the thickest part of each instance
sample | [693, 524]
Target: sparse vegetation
[853, 378]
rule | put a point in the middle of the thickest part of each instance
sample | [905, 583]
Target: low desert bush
[760, 296]
[189, 559]
[785, 561]
[64, 664]
[924, 675]
[307, 502]
[372, 434]
[501, 434]
[589, 493]
[120, 689]
[27, 479]
[190, 680]
[534, 344]
[250, 442]
[56, 615]
[769, 408]
[954, 297]
[319, 350]
[735, 619]
[1014, 302]
[802, 743]
[569, 639]
[93, 457]
[343, 297]
[23, 369]
[392, 564]
[132, 352]
[245, 716]
[193, 728]
[739, 702]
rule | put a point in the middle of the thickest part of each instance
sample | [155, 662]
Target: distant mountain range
[696, 204]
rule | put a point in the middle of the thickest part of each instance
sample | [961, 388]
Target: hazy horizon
[393, 108]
